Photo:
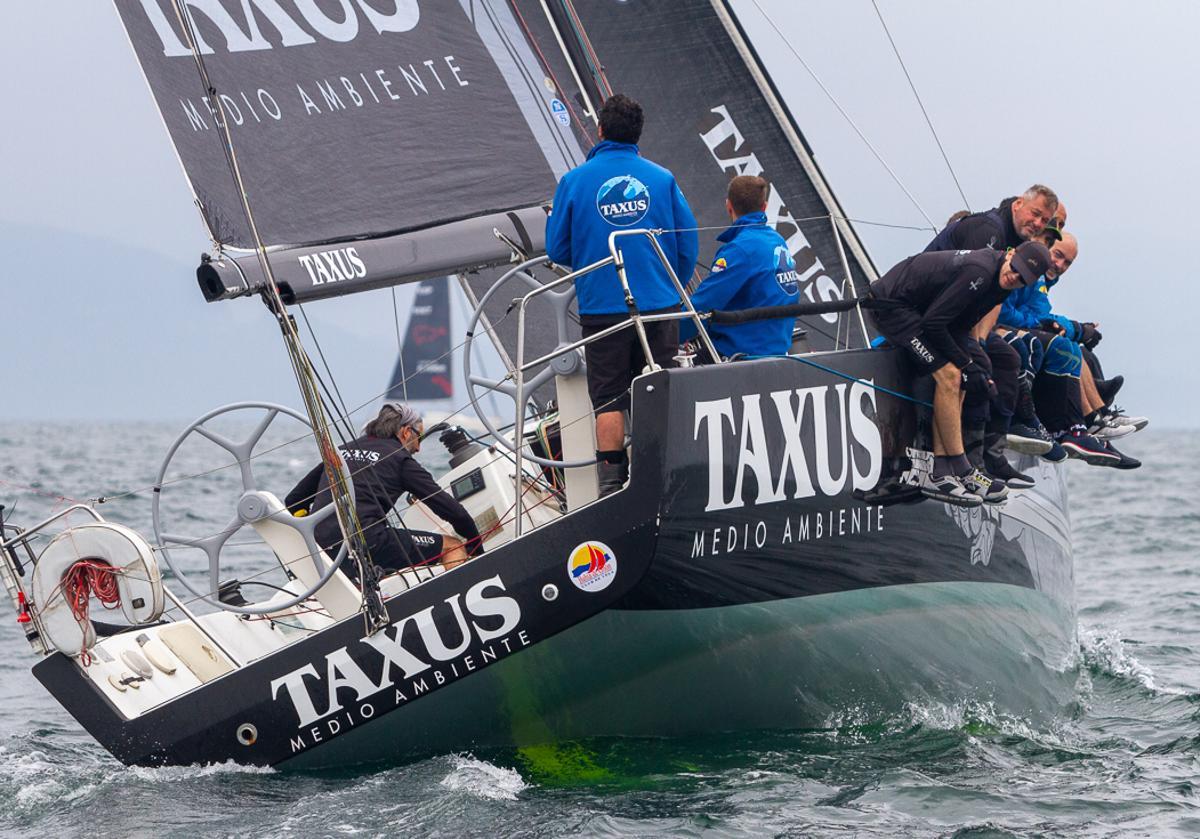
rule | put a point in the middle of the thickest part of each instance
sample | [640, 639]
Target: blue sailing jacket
[753, 268]
[1027, 307]
[618, 189]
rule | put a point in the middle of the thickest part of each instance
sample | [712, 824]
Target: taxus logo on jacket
[785, 271]
[623, 200]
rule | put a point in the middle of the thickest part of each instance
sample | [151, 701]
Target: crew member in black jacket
[382, 466]
[937, 299]
[1016, 220]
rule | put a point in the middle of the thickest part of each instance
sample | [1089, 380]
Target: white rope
[924, 112]
[846, 116]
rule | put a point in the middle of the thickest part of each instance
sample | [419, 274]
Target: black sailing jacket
[989, 229]
[382, 469]
[950, 291]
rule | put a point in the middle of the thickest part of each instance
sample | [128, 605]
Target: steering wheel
[568, 362]
[252, 506]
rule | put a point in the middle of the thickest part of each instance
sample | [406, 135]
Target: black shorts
[614, 361]
[395, 549]
[902, 328]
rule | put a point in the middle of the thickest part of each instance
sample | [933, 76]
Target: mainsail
[379, 141]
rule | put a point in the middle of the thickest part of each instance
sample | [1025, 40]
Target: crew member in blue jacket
[618, 189]
[752, 268]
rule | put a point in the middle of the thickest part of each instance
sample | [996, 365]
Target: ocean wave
[1104, 652]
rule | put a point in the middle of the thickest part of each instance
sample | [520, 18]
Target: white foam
[170, 774]
[1106, 652]
[478, 777]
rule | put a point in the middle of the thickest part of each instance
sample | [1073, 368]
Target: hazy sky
[1097, 99]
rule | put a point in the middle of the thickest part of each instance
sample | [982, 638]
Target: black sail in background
[356, 120]
[423, 371]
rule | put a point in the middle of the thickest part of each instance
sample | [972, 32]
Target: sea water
[1122, 759]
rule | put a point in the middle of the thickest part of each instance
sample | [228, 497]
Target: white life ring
[139, 581]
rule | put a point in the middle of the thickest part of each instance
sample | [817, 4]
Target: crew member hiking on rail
[938, 299]
[617, 189]
[752, 268]
[382, 466]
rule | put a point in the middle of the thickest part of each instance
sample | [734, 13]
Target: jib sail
[423, 370]
[378, 141]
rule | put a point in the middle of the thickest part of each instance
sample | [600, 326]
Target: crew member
[617, 189]
[752, 268]
[936, 300]
[1016, 220]
[382, 466]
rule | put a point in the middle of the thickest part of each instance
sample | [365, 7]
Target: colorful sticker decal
[560, 112]
[720, 265]
[592, 566]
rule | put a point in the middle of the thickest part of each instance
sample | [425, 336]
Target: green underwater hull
[806, 662]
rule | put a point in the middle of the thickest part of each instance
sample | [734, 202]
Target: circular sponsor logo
[560, 112]
[623, 200]
[785, 271]
[592, 566]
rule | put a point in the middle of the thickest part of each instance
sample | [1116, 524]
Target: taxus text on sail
[750, 429]
[243, 32]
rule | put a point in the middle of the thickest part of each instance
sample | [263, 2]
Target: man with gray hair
[1014, 221]
[382, 466]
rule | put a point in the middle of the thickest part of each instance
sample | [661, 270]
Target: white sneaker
[991, 490]
[1115, 414]
[950, 489]
[1107, 428]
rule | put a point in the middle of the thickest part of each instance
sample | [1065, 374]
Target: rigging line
[399, 350]
[770, 22]
[925, 113]
[567, 99]
[338, 402]
[590, 53]
[101, 499]
[531, 85]
[347, 516]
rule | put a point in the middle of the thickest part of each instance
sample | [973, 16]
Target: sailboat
[753, 573]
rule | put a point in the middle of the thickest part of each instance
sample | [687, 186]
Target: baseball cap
[1031, 260]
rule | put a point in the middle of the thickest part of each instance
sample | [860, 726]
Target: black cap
[1031, 260]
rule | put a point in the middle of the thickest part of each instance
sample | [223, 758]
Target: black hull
[798, 533]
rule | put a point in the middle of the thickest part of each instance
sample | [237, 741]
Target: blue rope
[847, 376]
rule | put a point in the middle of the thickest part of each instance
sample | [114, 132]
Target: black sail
[713, 112]
[416, 129]
[423, 370]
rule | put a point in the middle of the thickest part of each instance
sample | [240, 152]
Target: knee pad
[1063, 358]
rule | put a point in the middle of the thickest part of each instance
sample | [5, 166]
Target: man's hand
[975, 380]
[1053, 326]
[1090, 336]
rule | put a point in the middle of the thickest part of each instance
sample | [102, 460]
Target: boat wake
[485, 780]
[1104, 652]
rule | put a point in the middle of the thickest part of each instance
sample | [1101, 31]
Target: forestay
[378, 141]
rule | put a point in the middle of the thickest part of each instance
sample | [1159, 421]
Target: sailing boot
[612, 469]
[996, 463]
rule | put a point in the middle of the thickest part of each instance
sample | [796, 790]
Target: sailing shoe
[1088, 449]
[991, 490]
[1106, 429]
[1118, 416]
[1002, 469]
[1057, 453]
[1028, 439]
[1125, 462]
[1107, 388]
[950, 489]
[612, 477]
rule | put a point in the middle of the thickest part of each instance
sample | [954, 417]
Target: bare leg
[1087, 385]
[453, 552]
[947, 411]
[610, 431]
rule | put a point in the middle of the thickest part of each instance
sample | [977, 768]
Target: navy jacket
[989, 229]
[618, 189]
[753, 268]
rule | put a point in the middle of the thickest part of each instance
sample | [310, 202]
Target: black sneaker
[991, 490]
[950, 489]
[1088, 449]
[1125, 461]
[999, 467]
[1107, 388]
[1028, 439]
